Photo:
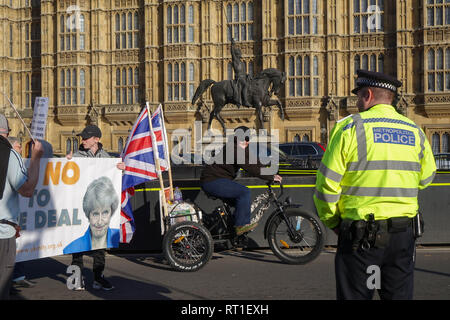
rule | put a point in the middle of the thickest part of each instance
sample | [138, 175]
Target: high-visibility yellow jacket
[376, 162]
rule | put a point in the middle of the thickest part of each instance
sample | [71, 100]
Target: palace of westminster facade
[99, 61]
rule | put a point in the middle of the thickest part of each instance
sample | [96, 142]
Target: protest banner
[75, 208]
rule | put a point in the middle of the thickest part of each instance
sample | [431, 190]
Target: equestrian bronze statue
[243, 90]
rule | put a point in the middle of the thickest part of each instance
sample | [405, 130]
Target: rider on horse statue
[255, 92]
[240, 83]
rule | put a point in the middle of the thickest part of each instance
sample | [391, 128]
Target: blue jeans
[228, 189]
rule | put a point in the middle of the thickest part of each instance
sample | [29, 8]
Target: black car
[287, 163]
[442, 161]
[302, 150]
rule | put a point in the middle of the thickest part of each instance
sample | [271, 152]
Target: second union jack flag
[138, 156]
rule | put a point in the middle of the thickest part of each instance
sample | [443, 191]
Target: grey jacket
[83, 153]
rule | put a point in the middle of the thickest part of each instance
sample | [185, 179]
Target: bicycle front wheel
[188, 246]
[305, 242]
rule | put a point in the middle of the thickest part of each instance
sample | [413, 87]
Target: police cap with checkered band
[376, 79]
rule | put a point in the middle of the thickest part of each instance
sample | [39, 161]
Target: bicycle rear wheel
[307, 242]
[188, 246]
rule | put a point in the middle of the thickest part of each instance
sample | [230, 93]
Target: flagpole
[166, 150]
[156, 157]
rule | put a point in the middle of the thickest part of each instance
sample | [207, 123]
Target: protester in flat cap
[15, 179]
[366, 191]
[92, 148]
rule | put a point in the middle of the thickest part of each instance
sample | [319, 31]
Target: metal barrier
[434, 203]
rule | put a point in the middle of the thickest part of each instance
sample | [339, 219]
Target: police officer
[366, 191]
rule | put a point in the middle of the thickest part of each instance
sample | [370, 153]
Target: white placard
[54, 220]
[39, 121]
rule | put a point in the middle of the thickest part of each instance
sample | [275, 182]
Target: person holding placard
[15, 179]
[92, 148]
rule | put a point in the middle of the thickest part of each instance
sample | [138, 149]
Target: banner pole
[156, 157]
[18, 115]
[166, 150]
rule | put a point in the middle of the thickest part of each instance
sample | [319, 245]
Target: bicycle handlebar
[270, 183]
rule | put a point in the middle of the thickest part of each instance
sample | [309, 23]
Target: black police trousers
[390, 270]
[99, 261]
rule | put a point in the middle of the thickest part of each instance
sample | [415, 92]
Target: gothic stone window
[437, 12]
[70, 87]
[438, 69]
[127, 85]
[302, 17]
[440, 141]
[11, 40]
[27, 39]
[127, 30]
[240, 19]
[11, 87]
[28, 92]
[368, 16]
[365, 61]
[82, 86]
[120, 144]
[191, 26]
[176, 81]
[35, 34]
[72, 32]
[177, 24]
[302, 74]
[304, 138]
[72, 144]
[35, 85]
[191, 80]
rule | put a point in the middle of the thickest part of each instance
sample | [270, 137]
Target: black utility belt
[394, 225]
[377, 233]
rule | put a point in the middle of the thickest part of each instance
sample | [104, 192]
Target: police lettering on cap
[4, 127]
[90, 131]
[375, 79]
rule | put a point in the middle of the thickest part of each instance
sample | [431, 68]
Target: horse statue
[259, 96]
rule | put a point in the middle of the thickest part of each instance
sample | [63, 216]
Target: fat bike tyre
[188, 246]
[310, 234]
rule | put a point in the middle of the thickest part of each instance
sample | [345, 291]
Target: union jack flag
[139, 158]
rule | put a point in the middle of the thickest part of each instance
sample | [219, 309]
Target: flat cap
[90, 131]
[376, 79]
[4, 127]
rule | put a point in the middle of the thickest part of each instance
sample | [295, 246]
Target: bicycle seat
[210, 196]
[224, 200]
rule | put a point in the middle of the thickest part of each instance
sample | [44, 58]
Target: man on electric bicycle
[217, 178]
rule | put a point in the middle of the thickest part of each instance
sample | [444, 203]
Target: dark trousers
[99, 261]
[228, 189]
[7, 260]
[19, 270]
[354, 274]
